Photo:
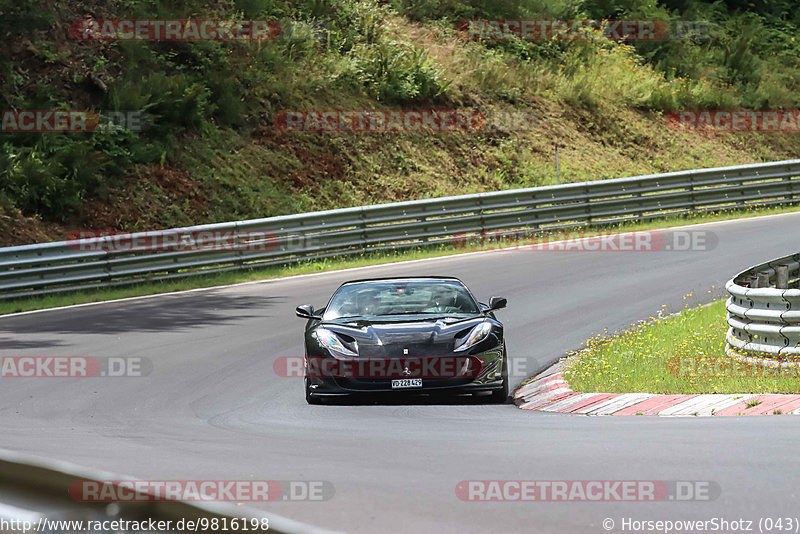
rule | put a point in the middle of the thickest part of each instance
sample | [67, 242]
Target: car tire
[500, 396]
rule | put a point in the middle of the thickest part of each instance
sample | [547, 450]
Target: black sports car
[421, 334]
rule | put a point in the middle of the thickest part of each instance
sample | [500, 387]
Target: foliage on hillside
[210, 151]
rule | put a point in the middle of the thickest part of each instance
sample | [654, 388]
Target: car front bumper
[483, 374]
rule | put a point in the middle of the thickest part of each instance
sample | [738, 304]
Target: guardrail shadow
[166, 313]
[18, 344]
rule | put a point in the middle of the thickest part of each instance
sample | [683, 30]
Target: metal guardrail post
[482, 222]
[743, 193]
[423, 218]
[782, 276]
[587, 191]
[363, 227]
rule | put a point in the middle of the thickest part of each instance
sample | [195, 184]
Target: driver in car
[442, 300]
[368, 303]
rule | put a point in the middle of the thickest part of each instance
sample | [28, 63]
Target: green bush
[397, 73]
[49, 181]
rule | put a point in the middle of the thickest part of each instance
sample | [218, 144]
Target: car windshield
[403, 297]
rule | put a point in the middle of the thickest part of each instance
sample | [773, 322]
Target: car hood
[407, 335]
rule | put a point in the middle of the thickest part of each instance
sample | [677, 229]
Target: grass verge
[679, 354]
[330, 264]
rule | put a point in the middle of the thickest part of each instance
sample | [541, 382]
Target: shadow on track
[169, 313]
[17, 344]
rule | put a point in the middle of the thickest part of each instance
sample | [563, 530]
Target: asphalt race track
[213, 408]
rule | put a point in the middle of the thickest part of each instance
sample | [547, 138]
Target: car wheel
[500, 396]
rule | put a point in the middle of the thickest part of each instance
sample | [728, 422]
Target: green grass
[679, 354]
[265, 273]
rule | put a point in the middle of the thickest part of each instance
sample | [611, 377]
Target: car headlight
[331, 341]
[475, 336]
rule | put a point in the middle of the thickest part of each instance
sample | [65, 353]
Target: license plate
[407, 383]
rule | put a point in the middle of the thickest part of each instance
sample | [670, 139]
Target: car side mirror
[495, 303]
[306, 311]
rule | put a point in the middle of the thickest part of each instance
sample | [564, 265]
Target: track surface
[214, 409]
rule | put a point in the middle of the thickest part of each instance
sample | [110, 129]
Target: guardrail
[130, 258]
[764, 309]
[35, 490]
